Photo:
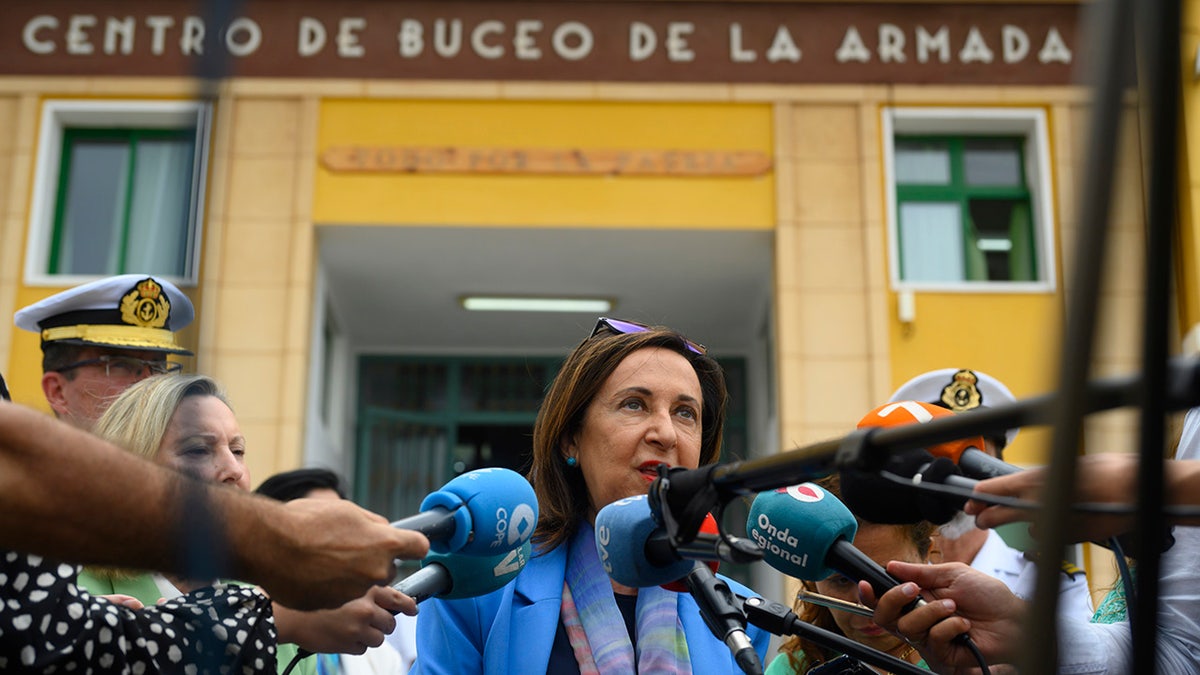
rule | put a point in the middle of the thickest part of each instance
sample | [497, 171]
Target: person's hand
[959, 600]
[350, 629]
[329, 552]
[123, 600]
[1102, 478]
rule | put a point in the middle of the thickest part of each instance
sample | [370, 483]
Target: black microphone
[722, 614]
[781, 620]
[878, 499]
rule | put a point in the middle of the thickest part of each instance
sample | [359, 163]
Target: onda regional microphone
[805, 532]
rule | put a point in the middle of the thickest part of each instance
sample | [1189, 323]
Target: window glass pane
[931, 247]
[418, 387]
[93, 207]
[992, 162]
[503, 387]
[159, 213]
[922, 163]
[1002, 232]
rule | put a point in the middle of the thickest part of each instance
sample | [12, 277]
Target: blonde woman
[185, 422]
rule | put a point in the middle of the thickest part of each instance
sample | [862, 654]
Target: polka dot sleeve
[50, 625]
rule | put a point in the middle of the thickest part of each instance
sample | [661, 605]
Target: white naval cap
[129, 311]
[958, 389]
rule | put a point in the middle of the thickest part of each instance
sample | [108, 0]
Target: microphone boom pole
[681, 497]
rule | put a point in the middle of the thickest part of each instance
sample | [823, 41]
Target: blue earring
[572, 462]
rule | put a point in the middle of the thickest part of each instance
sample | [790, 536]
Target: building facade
[833, 196]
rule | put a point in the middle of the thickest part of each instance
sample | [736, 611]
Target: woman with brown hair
[628, 399]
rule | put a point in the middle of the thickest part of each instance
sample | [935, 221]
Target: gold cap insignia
[146, 305]
[962, 393]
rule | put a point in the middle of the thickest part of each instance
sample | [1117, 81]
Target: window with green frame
[126, 201]
[964, 209]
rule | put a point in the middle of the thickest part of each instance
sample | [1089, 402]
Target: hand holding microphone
[806, 532]
[483, 512]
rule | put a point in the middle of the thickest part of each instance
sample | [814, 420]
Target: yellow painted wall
[1188, 257]
[528, 200]
[978, 331]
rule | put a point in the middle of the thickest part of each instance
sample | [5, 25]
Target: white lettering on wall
[158, 33]
[191, 42]
[737, 53]
[852, 48]
[115, 28]
[534, 39]
[927, 43]
[447, 38]
[1054, 50]
[478, 35]
[524, 46]
[1014, 44]
[569, 32]
[411, 38]
[642, 41]
[975, 48]
[77, 38]
[677, 46]
[243, 37]
[891, 43]
[348, 46]
[312, 37]
[783, 47]
[30, 38]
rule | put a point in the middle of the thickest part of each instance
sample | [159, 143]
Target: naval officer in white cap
[101, 337]
[963, 390]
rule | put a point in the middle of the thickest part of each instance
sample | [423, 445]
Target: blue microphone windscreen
[622, 529]
[796, 526]
[474, 575]
[498, 513]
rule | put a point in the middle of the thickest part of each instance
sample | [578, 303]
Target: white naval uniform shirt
[999, 560]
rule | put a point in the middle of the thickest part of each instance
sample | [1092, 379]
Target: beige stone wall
[16, 147]
[258, 268]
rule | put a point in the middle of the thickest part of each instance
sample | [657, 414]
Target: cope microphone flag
[452, 577]
[483, 512]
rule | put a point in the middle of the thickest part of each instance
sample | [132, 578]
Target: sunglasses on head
[620, 327]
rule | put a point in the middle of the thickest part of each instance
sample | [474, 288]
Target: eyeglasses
[620, 327]
[125, 366]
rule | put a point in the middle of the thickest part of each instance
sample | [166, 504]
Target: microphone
[877, 499]
[623, 532]
[805, 532]
[722, 613]
[967, 453]
[636, 550]
[452, 577]
[978, 464]
[483, 512]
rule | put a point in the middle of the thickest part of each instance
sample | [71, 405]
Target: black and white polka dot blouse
[50, 625]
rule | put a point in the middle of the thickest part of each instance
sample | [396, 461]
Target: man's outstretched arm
[69, 495]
